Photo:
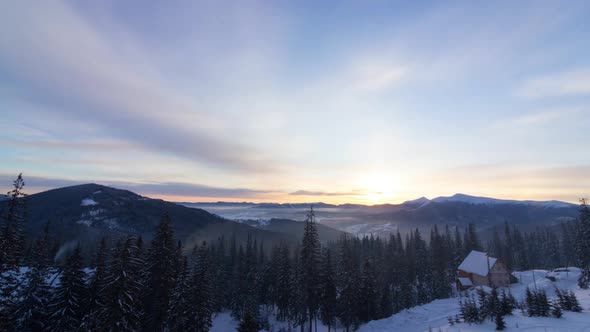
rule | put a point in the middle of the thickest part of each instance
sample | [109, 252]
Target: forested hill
[88, 212]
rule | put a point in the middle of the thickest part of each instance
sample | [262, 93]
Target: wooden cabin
[479, 269]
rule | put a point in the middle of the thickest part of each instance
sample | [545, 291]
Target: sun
[377, 188]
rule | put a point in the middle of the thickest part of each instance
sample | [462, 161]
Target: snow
[223, 322]
[465, 281]
[477, 262]
[433, 316]
[476, 200]
[421, 202]
[88, 202]
[84, 222]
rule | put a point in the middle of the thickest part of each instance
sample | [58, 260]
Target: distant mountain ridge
[419, 202]
[456, 210]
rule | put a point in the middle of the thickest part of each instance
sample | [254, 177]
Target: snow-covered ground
[88, 202]
[433, 316]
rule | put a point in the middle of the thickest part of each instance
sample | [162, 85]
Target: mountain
[87, 212]
[3, 197]
[457, 210]
[489, 201]
[417, 203]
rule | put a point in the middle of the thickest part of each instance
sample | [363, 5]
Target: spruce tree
[471, 241]
[531, 303]
[573, 300]
[248, 324]
[582, 244]
[367, 304]
[68, 302]
[122, 308]
[11, 247]
[201, 306]
[29, 313]
[310, 262]
[329, 293]
[180, 300]
[347, 302]
[11, 234]
[499, 321]
[284, 285]
[506, 303]
[161, 271]
[96, 288]
[556, 309]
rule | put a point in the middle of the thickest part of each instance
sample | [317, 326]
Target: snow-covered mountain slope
[433, 316]
[491, 201]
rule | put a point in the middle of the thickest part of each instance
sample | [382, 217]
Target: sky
[298, 101]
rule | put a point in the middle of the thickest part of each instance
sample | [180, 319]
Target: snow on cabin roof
[477, 262]
[465, 282]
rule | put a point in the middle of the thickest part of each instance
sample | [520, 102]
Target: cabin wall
[499, 276]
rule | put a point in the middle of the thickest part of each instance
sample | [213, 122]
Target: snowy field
[433, 316]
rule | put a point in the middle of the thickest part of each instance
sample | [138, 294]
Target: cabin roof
[477, 262]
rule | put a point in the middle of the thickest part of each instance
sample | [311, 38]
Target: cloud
[540, 117]
[375, 76]
[573, 82]
[59, 59]
[155, 188]
[321, 193]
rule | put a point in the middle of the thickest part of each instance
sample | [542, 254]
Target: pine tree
[499, 320]
[349, 295]
[543, 303]
[11, 247]
[368, 295]
[329, 293]
[582, 244]
[471, 241]
[68, 302]
[11, 236]
[284, 284]
[122, 307]
[248, 324]
[506, 303]
[162, 268]
[531, 303]
[29, 313]
[310, 261]
[200, 311]
[96, 288]
[573, 300]
[180, 300]
[556, 309]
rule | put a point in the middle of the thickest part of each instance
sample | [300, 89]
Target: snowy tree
[200, 293]
[68, 302]
[96, 288]
[29, 312]
[122, 289]
[180, 300]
